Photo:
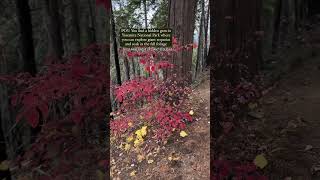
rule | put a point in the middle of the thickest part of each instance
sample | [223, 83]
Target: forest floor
[181, 158]
[285, 123]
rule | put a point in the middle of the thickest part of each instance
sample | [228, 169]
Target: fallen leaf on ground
[4, 165]
[191, 112]
[150, 161]
[140, 158]
[252, 105]
[183, 134]
[260, 161]
[127, 147]
[133, 173]
[130, 138]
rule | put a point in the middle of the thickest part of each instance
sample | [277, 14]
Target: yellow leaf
[140, 158]
[133, 173]
[144, 131]
[4, 165]
[183, 134]
[127, 147]
[252, 105]
[191, 112]
[260, 161]
[138, 142]
[176, 158]
[170, 158]
[150, 161]
[130, 138]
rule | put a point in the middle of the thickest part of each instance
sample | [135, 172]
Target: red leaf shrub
[153, 100]
[64, 97]
[223, 169]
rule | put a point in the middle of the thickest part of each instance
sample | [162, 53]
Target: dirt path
[193, 151]
[182, 158]
[291, 125]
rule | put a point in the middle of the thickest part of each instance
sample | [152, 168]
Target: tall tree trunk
[200, 42]
[75, 47]
[92, 24]
[7, 144]
[54, 30]
[28, 55]
[276, 26]
[205, 55]
[145, 14]
[24, 18]
[115, 49]
[127, 67]
[284, 22]
[100, 23]
[133, 67]
[182, 22]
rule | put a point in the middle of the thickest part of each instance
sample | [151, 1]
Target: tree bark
[182, 22]
[56, 50]
[276, 26]
[145, 14]
[115, 49]
[75, 47]
[133, 67]
[127, 68]
[205, 55]
[92, 24]
[28, 54]
[200, 42]
[7, 145]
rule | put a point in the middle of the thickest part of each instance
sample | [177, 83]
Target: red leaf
[44, 110]
[76, 117]
[142, 61]
[32, 117]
